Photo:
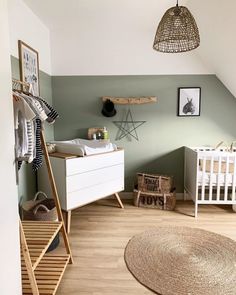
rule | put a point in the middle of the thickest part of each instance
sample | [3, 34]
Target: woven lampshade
[177, 31]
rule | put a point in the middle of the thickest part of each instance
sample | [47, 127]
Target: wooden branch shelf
[130, 100]
[39, 235]
[48, 274]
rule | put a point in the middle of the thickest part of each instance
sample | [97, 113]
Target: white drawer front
[90, 194]
[89, 163]
[95, 177]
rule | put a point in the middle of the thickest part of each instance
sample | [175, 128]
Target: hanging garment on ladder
[29, 113]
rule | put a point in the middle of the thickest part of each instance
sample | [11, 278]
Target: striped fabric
[53, 113]
[38, 160]
[43, 112]
[30, 134]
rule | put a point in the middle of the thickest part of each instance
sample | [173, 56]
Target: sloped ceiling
[115, 37]
[63, 13]
[110, 37]
[217, 23]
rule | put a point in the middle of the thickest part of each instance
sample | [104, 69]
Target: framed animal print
[29, 66]
[189, 101]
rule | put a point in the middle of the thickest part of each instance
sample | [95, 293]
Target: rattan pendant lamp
[177, 31]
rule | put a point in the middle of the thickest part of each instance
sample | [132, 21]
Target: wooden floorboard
[100, 232]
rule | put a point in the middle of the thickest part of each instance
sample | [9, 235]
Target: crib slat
[211, 178]
[203, 178]
[218, 179]
[226, 178]
[234, 180]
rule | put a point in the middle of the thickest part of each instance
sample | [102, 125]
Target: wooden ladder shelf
[42, 272]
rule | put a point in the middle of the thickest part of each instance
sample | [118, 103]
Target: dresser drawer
[93, 193]
[94, 177]
[83, 180]
[94, 162]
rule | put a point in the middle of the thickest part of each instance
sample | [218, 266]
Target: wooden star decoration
[128, 127]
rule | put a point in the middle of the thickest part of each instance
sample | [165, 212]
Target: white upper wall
[218, 46]
[110, 37]
[10, 271]
[26, 26]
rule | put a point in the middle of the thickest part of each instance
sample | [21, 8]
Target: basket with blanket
[154, 191]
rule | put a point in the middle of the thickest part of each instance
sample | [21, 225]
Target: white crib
[210, 176]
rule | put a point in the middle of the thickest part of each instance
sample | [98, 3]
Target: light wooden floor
[100, 232]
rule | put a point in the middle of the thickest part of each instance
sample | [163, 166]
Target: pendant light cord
[177, 3]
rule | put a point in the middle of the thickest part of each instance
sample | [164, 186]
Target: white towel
[92, 147]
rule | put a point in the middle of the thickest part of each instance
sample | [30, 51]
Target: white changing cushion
[70, 148]
[82, 147]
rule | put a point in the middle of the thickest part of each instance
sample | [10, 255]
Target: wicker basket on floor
[43, 209]
[154, 182]
[155, 200]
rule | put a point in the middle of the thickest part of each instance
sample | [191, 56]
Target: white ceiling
[217, 23]
[110, 37]
[115, 37]
[64, 13]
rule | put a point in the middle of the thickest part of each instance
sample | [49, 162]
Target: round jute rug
[183, 261]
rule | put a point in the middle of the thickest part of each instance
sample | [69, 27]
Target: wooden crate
[95, 130]
[154, 182]
[155, 200]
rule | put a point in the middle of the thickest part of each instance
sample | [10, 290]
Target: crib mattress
[215, 176]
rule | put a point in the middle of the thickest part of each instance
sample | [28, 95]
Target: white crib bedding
[222, 178]
[215, 169]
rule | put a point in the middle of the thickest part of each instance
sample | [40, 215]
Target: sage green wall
[162, 137]
[26, 177]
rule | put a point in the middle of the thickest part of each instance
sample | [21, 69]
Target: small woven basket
[39, 209]
[155, 200]
[43, 209]
[154, 182]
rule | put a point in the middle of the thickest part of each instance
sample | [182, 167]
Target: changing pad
[82, 147]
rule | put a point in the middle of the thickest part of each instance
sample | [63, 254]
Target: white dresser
[82, 180]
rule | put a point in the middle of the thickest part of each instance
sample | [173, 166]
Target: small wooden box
[155, 200]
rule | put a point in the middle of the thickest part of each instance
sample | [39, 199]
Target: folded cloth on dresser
[83, 147]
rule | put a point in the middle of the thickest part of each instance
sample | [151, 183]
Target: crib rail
[217, 176]
[210, 175]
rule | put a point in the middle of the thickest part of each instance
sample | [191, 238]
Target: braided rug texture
[183, 261]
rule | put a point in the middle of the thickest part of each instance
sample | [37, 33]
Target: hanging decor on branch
[177, 31]
[128, 127]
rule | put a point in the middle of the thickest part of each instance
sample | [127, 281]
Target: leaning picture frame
[29, 66]
[189, 101]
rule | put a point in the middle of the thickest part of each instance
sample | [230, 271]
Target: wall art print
[189, 101]
[29, 66]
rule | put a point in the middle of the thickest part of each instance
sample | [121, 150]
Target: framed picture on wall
[29, 66]
[189, 101]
